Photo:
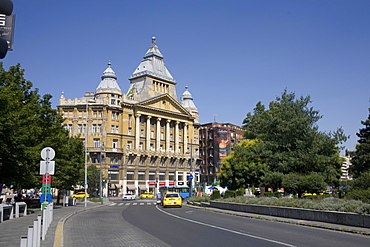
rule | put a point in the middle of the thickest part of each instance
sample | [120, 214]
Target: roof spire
[108, 82]
[188, 103]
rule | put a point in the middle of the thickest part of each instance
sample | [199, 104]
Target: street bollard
[38, 234]
[23, 241]
[30, 236]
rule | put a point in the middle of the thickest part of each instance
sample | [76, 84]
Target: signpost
[47, 168]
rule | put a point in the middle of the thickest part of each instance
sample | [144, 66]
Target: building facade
[143, 139]
[345, 168]
[216, 142]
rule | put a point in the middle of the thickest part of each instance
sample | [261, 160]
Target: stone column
[137, 131]
[185, 138]
[177, 136]
[148, 132]
[158, 137]
[168, 135]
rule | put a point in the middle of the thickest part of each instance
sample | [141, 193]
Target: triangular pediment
[166, 103]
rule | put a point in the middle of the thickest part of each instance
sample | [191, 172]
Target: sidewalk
[12, 230]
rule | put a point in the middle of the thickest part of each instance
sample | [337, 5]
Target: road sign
[49, 165]
[47, 153]
[191, 177]
[48, 198]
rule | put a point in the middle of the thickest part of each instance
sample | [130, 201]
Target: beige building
[145, 137]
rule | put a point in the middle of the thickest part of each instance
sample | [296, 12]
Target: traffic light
[6, 9]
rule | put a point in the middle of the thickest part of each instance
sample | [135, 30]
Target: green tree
[290, 135]
[27, 125]
[361, 156]
[273, 180]
[296, 183]
[243, 167]
[362, 182]
[93, 178]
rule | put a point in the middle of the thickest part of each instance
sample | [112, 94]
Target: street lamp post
[86, 141]
[101, 179]
[191, 170]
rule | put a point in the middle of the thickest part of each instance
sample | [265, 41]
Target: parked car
[80, 195]
[147, 195]
[171, 199]
[129, 197]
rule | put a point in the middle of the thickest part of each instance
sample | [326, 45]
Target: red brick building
[216, 141]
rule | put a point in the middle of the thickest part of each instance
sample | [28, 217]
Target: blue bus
[182, 190]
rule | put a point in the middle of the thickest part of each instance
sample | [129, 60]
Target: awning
[142, 187]
[131, 187]
[113, 186]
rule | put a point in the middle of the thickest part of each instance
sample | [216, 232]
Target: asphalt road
[142, 223]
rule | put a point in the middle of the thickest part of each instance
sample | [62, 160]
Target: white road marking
[225, 229]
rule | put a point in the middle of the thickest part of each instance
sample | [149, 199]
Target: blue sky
[231, 54]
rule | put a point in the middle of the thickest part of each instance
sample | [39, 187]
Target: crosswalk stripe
[129, 203]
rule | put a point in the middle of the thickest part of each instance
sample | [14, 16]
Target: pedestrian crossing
[131, 203]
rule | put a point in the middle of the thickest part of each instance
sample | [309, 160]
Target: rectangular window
[99, 128]
[130, 175]
[152, 161]
[96, 143]
[181, 163]
[70, 128]
[80, 128]
[129, 144]
[161, 176]
[171, 176]
[151, 176]
[141, 176]
[94, 128]
[94, 114]
[112, 129]
[115, 143]
[117, 129]
[100, 115]
[180, 177]
[113, 102]
[129, 121]
[113, 175]
[113, 115]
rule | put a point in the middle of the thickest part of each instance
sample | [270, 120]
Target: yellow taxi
[80, 195]
[147, 195]
[171, 199]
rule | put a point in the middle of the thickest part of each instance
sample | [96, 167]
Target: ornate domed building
[142, 139]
